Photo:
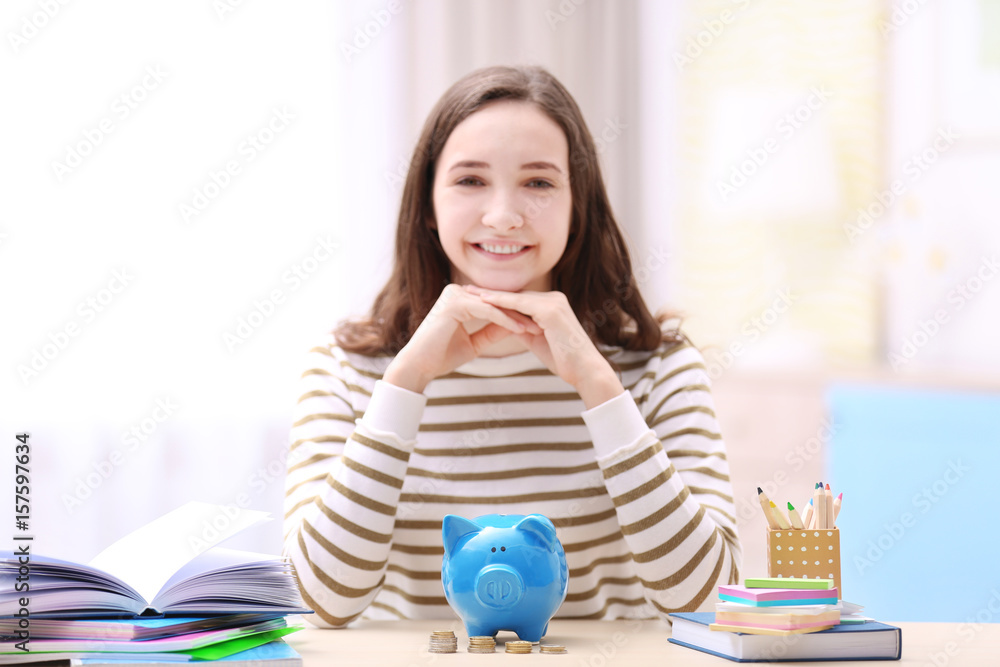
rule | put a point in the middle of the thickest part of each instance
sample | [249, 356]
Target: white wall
[156, 333]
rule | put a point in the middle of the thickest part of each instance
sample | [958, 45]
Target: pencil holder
[805, 554]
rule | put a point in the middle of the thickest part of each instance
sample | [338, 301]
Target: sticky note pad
[787, 582]
[772, 597]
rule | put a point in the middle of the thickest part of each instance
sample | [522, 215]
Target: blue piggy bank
[503, 572]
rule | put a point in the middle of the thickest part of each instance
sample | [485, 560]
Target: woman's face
[502, 197]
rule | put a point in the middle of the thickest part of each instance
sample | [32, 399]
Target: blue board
[920, 474]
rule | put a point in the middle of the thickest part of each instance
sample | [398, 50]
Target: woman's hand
[441, 343]
[561, 343]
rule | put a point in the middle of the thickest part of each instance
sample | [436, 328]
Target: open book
[170, 566]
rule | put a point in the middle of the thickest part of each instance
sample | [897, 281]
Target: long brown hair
[595, 272]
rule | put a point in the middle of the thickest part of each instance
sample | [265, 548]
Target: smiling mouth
[501, 250]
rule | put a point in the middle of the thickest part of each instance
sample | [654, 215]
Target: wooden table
[604, 643]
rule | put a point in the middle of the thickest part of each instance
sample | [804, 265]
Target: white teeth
[502, 249]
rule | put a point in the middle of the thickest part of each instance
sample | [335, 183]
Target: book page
[147, 557]
[228, 574]
[220, 560]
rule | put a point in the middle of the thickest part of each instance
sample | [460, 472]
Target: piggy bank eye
[494, 549]
[503, 548]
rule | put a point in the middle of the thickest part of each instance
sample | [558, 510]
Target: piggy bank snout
[499, 586]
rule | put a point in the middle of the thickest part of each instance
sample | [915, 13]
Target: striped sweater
[637, 487]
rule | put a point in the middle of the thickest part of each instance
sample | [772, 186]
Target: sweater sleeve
[342, 487]
[666, 471]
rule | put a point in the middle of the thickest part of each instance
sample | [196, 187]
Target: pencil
[765, 504]
[836, 508]
[807, 519]
[829, 507]
[815, 513]
[819, 499]
[779, 516]
[794, 517]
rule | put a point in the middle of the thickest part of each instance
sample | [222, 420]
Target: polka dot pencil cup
[805, 553]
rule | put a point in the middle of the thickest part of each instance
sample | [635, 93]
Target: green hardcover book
[783, 582]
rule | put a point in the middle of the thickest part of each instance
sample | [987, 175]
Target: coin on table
[443, 641]
[482, 644]
[518, 647]
[551, 648]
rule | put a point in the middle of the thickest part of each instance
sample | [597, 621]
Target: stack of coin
[482, 644]
[443, 641]
[518, 647]
[551, 648]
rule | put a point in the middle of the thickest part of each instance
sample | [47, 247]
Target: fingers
[529, 303]
[513, 322]
[529, 324]
[507, 302]
[488, 335]
[461, 306]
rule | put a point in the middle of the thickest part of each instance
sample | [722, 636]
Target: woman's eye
[542, 184]
[468, 181]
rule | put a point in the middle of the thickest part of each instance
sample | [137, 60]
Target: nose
[499, 586]
[502, 213]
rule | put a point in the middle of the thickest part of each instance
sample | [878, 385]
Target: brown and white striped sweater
[638, 487]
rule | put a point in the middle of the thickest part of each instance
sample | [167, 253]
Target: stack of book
[800, 620]
[802, 605]
[165, 593]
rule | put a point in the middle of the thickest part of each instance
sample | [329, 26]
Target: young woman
[509, 365]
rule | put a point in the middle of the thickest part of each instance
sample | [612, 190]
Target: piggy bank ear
[541, 527]
[454, 528]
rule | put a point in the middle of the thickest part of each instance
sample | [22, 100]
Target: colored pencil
[765, 505]
[794, 518]
[819, 499]
[807, 519]
[779, 516]
[829, 507]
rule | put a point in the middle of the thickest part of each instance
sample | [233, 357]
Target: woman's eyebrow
[541, 165]
[475, 164]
